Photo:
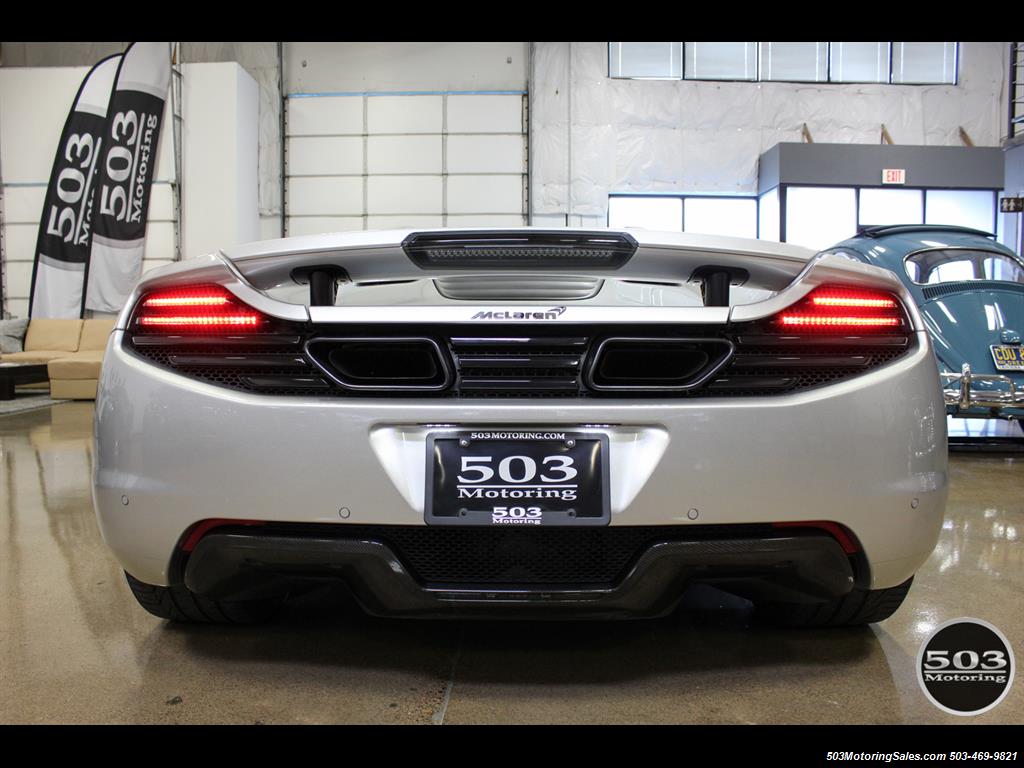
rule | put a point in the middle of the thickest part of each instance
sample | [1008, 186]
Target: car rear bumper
[868, 453]
[240, 565]
[982, 395]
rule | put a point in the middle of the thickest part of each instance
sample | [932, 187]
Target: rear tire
[178, 603]
[860, 606]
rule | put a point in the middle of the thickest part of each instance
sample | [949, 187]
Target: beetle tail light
[196, 309]
[841, 309]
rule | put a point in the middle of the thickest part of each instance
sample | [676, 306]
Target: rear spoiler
[321, 261]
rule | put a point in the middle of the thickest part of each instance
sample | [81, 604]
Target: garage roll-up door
[382, 160]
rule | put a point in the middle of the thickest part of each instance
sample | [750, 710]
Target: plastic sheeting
[645, 136]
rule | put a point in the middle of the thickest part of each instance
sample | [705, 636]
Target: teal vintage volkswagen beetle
[970, 292]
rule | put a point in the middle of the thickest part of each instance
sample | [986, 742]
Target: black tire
[860, 606]
[178, 603]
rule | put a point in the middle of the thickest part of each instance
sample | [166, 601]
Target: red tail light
[196, 309]
[841, 309]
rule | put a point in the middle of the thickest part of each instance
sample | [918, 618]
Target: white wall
[359, 67]
[689, 136]
[220, 204]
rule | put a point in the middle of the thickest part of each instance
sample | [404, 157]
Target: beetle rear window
[944, 265]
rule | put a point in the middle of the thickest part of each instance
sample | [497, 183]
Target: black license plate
[517, 478]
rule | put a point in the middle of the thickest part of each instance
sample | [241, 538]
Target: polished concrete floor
[74, 646]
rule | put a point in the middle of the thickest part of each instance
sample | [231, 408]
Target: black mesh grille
[243, 368]
[506, 361]
[468, 556]
[524, 365]
[744, 377]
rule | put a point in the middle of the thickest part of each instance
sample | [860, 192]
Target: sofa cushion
[12, 335]
[57, 335]
[81, 365]
[73, 389]
[32, 357]
[95, 333]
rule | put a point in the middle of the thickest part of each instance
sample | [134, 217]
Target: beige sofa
[72, 351]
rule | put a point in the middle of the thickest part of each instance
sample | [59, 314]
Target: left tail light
[195, 310]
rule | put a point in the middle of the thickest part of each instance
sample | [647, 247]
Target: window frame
[684, 77]
[670, 78]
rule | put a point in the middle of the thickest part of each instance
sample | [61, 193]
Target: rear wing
[367, 257]
[252, 270]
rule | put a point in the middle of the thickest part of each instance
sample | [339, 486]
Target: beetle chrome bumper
[966, 397]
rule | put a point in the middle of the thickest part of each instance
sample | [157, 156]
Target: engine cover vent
[518, 287]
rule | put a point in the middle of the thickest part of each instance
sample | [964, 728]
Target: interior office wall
[643, 136]
[219, 204]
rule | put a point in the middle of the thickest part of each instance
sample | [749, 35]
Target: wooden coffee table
[12, 374]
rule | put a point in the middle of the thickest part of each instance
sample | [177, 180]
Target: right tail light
[840, 309]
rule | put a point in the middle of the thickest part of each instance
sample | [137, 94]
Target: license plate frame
[1015, 364]
[590, 505]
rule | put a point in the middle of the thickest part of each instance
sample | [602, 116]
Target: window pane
[891, 206]
[998, 267]
[658, 213]
[924, 63]
[942, 266]
[952, 271]
[859, 62]
[652, 60]
[972, 208]
[797, 62]
[725, 216]
[768, 215]
[721, 61]
[817, 217]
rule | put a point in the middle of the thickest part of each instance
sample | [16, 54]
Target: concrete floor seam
[442, 710]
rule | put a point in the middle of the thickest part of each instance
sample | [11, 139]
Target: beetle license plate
[517, 478]
[1008, 357]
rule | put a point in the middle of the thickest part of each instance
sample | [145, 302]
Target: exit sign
[894, 175]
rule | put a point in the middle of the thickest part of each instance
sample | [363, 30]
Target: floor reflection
[984, 428]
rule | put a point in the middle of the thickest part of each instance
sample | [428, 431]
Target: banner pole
[177, 125]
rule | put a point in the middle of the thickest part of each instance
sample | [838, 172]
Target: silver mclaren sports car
[520, 423]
